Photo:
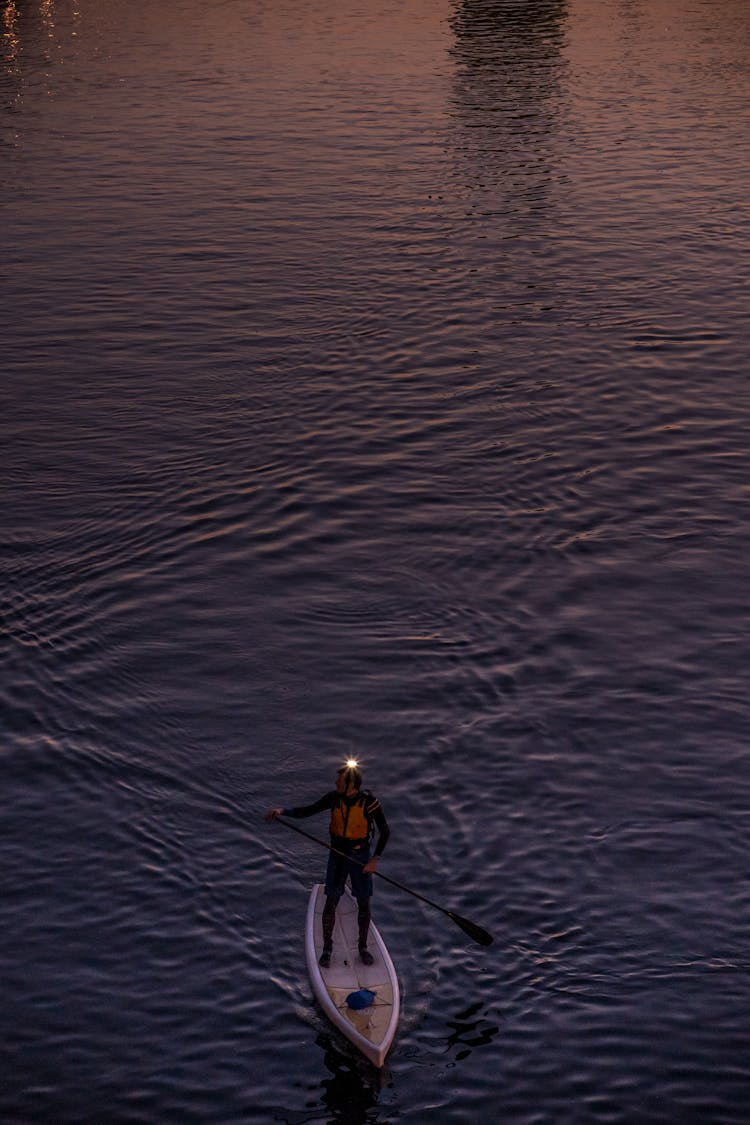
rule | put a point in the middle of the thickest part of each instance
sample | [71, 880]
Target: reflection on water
[36, 39]
[501, 38]
[509, 64]
[508, 105]
[470, 1029]
[353, 1090]
[11, 41]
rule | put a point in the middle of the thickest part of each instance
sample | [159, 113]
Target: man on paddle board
[355, 814]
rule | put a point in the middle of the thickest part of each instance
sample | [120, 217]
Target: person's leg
[335, 879]
[362, 888]
[329, 921]
[363, 921]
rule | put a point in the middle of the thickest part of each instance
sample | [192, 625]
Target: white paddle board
[371, 1029]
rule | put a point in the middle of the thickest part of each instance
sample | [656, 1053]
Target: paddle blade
[471, 929]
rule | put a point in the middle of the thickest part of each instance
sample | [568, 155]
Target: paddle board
[372, 1028]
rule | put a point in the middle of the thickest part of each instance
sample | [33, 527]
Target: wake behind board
[371, 1029]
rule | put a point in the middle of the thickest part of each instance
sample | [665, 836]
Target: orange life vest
[350, 822]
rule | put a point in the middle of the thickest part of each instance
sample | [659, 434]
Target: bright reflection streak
[11, 42]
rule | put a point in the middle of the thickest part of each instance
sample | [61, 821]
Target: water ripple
[374, 381]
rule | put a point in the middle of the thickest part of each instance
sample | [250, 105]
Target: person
[355, 815]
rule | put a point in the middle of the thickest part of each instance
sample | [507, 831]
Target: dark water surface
[375, 376]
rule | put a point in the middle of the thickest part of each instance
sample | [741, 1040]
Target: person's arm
[375, 812]
[325, 802]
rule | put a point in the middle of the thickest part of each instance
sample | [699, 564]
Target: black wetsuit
[372, 809]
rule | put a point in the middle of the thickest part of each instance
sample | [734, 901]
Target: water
[375, 377]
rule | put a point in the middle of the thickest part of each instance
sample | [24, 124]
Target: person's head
[349, 778]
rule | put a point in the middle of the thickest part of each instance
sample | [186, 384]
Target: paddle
[471, 929]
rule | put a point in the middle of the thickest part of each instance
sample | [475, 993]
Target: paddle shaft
[471, 928]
